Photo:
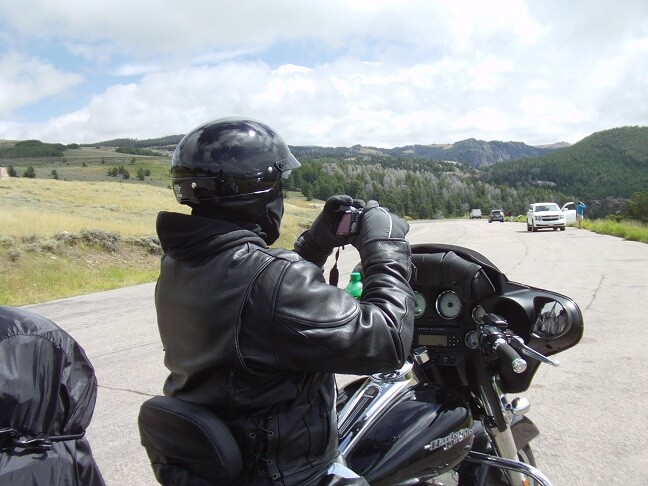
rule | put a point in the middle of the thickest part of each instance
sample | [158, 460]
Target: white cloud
[197, 26]
[136, 69]
[101, 53]
[26, 80]
[338, 104]
[405, 72]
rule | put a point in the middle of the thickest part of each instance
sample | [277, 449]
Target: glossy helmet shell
[229, 158]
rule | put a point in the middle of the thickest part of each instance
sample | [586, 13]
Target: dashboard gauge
[478, 314]
[448, 304]
[472, 339]
[419, 304]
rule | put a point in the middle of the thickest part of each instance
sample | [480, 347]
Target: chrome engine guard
[520, 467]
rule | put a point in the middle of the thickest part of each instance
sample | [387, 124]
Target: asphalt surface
[591, 410]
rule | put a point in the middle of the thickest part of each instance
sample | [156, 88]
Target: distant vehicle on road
[496, 215]
[475, 214]
[545, 215]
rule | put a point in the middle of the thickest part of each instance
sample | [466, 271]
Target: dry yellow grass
[36, 267]
[46, 207]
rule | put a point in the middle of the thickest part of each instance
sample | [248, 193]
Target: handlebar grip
[510, 355]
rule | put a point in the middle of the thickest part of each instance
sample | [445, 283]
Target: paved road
[591, 410]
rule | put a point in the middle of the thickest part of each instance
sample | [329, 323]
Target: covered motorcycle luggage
[48, 391]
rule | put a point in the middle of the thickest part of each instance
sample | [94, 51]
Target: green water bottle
[355, 285]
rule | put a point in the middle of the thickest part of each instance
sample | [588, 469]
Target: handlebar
[506, 352]
[494, 341]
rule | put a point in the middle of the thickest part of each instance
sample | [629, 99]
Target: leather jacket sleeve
[319, 327]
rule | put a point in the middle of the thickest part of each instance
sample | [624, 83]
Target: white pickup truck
[550, 215]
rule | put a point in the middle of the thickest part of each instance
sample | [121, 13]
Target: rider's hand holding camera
[377, 224]
[318, 242]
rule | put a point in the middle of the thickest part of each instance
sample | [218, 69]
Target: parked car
[496, 215]
[545, 215]
[475, 214]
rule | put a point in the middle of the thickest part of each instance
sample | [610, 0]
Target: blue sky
[324, 72]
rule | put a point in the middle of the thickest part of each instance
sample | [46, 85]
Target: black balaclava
[262, 215]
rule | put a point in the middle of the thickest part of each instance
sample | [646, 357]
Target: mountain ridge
[472, 151]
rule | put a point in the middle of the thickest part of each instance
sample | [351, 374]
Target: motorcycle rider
[255, 334]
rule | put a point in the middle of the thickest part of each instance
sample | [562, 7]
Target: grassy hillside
[611, 163]
[91, 164]
[63, 238]
[44, 206]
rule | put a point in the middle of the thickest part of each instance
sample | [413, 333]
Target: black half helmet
[229, 158]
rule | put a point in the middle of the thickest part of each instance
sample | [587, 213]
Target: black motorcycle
[445, 416]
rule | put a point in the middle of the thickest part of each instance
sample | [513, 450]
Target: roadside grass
[39, 272]
[64, 238]
[626, 229]
[629, 230]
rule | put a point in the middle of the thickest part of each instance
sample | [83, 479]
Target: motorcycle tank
[427, 431]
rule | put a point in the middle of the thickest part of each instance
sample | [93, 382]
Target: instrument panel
[444, 305]
[456, 287]
[445, 321]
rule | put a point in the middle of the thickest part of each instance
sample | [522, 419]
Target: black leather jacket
[256, 335]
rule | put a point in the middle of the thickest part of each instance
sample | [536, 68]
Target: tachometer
[419, 304]
[448, 304]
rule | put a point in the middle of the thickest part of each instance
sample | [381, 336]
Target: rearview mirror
[552, 321]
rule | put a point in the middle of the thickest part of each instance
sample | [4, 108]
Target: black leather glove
[318, 242]
[378, 223]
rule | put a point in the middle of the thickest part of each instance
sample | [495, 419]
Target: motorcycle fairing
[479, 281]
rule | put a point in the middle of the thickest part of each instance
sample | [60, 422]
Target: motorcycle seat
[187, 444]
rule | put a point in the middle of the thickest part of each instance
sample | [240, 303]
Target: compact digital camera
[349, 222]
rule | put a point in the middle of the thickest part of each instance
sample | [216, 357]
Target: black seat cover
[187, 444]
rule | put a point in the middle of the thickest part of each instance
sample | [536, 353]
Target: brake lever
[519, 346]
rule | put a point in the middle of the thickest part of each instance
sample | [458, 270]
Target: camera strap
[334, 274]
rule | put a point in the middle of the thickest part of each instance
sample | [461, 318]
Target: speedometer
[448, 304]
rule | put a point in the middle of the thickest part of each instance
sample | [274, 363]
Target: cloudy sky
[324, 72]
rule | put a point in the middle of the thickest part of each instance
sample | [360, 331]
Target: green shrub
[151, 243]
[638, 207]
[6, 241]
[102, 239]
[67, 238]
[32, 248]
[29, 239]
[13, 254]
[51, 246]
